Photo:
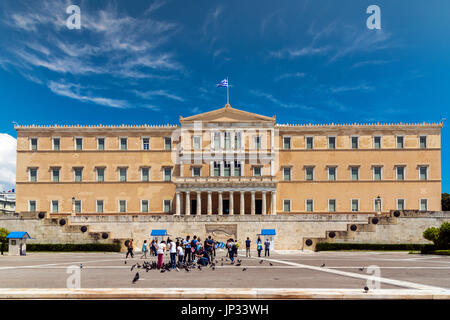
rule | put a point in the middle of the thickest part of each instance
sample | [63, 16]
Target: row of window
[99, 205]
[227, 170]
[354, 142]
[354, 173]
[354, 204]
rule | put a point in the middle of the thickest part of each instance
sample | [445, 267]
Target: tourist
[194, 246]
[259, 246]
[267, 248]
[237, 247]
[173, 254]
[161, 249]
[144, 250]
[203, 257]
[214, 247]
[232, 249]
[247, 247]
[180, 253]
[153, 248]
[130, 249]
[187, 249]
[209, 245]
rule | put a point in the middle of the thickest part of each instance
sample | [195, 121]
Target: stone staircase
[354, 230]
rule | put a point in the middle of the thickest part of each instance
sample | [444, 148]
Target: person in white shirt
[161, 249]
[173, 253]
[180, 253]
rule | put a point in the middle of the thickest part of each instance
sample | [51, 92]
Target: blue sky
[151, 61]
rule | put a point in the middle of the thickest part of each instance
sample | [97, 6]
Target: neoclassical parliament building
[228, 162]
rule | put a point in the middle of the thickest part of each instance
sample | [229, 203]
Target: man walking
[173, 254]
[247, 247]
[130, 249]
[144, 250]
[267, 248]
[187, 249]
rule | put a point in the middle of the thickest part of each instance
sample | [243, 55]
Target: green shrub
[70, 247]
[3, 233]
[440, 236]
[331, 246]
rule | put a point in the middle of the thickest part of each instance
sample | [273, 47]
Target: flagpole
[228, 85]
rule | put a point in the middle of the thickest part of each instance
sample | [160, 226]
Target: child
[144, 250]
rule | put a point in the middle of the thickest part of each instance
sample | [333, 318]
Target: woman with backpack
[259, 246]
[144, 250]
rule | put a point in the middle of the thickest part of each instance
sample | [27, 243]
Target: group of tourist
[189, 250]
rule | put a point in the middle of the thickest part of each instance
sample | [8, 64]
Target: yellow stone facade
[228, 161]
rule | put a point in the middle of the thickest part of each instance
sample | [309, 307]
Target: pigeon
[238, 264]
[270, 263]
[178, 270]
[260, 262]
[81, 266]
[163, 270]
[361, 269]
[323, 265]
[125, 261]
[138, 265]
[244, 269]
[132, 267]
[366, 289]
[239, 261]
[136, 277]
[214, 268]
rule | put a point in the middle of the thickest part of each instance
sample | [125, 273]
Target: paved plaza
[297, 270]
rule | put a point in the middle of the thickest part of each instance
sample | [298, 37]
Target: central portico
[238, 149]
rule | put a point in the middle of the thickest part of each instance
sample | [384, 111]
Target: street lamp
[378, 205]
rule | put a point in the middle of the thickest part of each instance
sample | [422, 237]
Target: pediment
[227, 114]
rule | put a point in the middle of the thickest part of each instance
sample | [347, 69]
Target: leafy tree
[439, 236]
[3, 234]
[445, 201]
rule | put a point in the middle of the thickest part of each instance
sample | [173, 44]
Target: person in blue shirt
[259, 246]
[247, 247]
[187, 249]
[203, 257]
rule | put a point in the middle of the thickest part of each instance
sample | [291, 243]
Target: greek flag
[223, 83]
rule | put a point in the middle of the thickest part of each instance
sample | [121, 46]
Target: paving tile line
[400, 283]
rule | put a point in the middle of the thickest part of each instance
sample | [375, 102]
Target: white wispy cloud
[290, 75]
[361, 87]
[299, 52]
[8, 145]
[278, 102]
[369, 62]
[75, 91]
[157, 93]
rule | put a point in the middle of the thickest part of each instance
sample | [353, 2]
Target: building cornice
[437, 125]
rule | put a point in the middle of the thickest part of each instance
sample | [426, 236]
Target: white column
[181, 169]
[253, 203]
[199, 202]
[232, 168]
[222, 168]
[220, 203]
[188, 203]
[211, 168]
[242, 168]
[178, 209]
[209, 202]
[231, 203]
[264, 202]
[242, 206]
[274, 202]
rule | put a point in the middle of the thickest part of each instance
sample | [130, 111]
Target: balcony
[226, 182]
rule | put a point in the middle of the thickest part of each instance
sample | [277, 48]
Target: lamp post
[73, 206]
[378, 205]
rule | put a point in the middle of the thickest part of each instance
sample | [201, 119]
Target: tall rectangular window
[167, 206]
[309, 205]
[355, 142]
[423, 173]
[99, 206]
[100, 143]
[33, 174]
[55, 206]
[287, 174]
[423, 142]
[78, 143]
[227, 168]
[331, 205]
[122, 206]
[309, 142]
[237, 169]
[196, 171]
[122, 174]
[217, 140]
[237, 140]
[377, 205]
[33, 143]
[354, 173]
[216, 168]
[145, 174]
[167, 174]
[287, 205]
[167, 143]
[423, 204]
[257, 142]
[377, 173]
[123, 143]
[196, 142]
[355, 205]
[309, 173]
[331, 142]
[146, 143]
[332, 173]
[56, 144]
[400, 171]
[100, 174]
[377, 142]
[400, 204]
[77, 206]
[144, 206]
[257, 171]
[78, 174]
[32, 205]
[55, 175]
[227, 140]
[400, 142]
[286, 143]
